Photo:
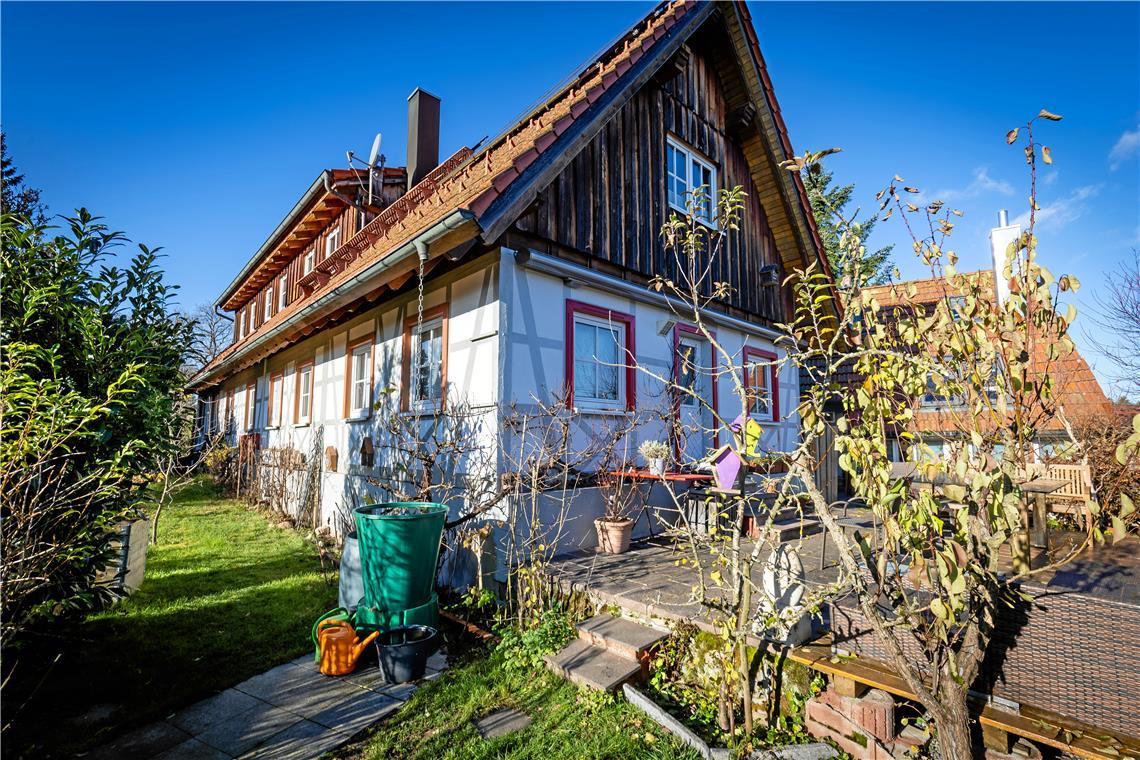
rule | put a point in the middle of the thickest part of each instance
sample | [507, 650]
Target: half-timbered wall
[610, 201]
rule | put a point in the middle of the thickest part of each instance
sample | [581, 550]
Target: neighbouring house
[517, 271]
[1075, 385]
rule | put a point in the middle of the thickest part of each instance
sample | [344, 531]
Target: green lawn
[227, 595]
[568, 722]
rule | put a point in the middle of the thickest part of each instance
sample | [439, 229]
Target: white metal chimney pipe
[1000, 238]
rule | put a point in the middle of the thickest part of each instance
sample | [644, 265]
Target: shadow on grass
[224, 599]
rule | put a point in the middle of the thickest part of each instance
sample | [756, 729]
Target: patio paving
[648, 581]
[290, 712]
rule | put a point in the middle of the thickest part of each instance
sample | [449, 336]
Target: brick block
[874, 712]
[825, 722]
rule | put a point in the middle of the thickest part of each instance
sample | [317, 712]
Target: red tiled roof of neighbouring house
[1075, 386]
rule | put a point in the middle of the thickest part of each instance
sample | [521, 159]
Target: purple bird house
[727, 465]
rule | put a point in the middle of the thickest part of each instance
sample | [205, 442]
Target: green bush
[92, 402]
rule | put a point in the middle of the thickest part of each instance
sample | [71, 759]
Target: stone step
[795, 527]
[624, 638]
[593, 666]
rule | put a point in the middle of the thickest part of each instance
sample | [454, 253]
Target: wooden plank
[1033, 724]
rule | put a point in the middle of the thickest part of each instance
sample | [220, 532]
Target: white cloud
[980, 184]
[1062, 211]
[1127, 146]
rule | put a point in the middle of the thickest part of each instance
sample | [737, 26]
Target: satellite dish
[375, 151]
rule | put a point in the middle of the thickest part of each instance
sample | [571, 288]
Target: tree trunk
[952, 720]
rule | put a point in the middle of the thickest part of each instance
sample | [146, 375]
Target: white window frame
[332, 241]
[359, 355]
[250, 410]
[304, 400]
[242, 322]
[274, 403]
[268, 302]
[414, 367]
[692, 158]
[309, 261]
[282, 291]
[591, 402]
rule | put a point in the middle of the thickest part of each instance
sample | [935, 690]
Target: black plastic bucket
[404, 651]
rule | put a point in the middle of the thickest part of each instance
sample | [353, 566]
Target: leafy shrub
[93, 402]
[522, 649]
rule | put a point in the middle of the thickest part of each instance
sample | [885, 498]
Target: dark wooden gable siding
[610, 201]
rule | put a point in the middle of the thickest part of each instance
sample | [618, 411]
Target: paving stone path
[291, 712]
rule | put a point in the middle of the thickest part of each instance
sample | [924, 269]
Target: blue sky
[197, 126]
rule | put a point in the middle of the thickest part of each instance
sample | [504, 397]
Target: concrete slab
[593, 666]
[355, 714]
[816, 751]
[192, 749]
[501, 723]
[621, 636]
[279, 679]
[201, 716]
[301, 741]
[318, 695]
[147, 741]
[242, 733]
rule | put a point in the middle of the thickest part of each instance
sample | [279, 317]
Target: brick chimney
[423, 135]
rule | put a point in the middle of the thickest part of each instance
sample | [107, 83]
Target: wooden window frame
[250, 406]
[274, 408]
[306, 266]
[366, 411]
[334, 232]
[692, 155]
[410, 324]
[573, 308]
[773, 383]
[270, 292]
[307, 418]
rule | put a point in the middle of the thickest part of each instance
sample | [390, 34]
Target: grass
[227, 595]
[568, 722]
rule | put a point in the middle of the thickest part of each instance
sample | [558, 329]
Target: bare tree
[212, 333]
[1117, 312]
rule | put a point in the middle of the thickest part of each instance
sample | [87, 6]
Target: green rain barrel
[399, 549]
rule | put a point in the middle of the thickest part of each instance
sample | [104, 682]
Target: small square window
[309, 261]
[332, 242]
[598, 368]
[761, 384]
[686, 172]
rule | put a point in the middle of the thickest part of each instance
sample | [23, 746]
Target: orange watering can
[340, 646]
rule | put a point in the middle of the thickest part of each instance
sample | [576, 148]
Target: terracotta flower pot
[613, 535]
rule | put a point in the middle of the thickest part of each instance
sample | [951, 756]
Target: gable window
[268, 302]
[276, 388]
[599, 347]
[761, 385]
[309, 261]
[425, 359]
[282, 292]
[685, 172]
[358, 376]
[243, 321]
[332, 242]
[250, 405]
[303, 395]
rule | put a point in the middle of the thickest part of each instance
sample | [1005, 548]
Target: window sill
[272, 427]
[358, 418]
[600, 412]
[425, 411]
[301, 424]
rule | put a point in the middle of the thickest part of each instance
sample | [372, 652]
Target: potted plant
[615, 527]
[654, 453]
